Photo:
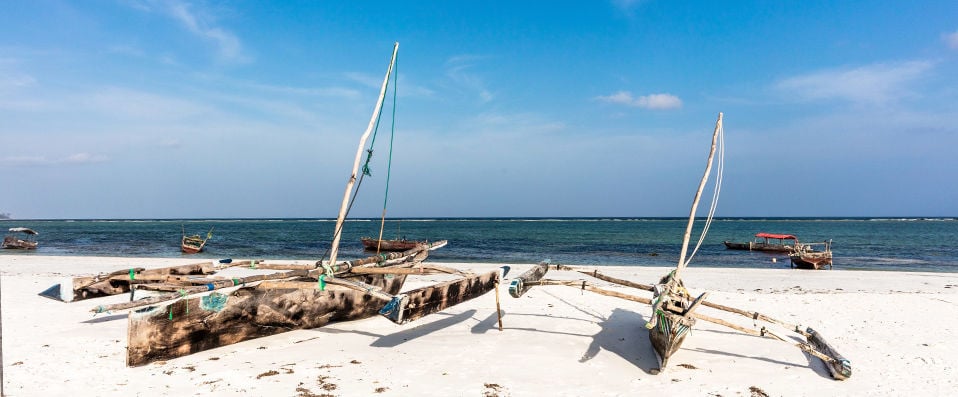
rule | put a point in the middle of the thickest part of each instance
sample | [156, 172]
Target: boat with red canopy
[767, 242]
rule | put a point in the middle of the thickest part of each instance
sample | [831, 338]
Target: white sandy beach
[897, 329]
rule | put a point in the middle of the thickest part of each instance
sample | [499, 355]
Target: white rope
[719, 173]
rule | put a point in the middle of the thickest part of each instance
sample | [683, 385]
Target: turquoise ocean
[897, 244]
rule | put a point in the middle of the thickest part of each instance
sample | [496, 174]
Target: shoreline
[556, 340]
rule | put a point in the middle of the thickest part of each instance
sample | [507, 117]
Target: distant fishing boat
[805, 257]
[14, 240]
[195, 243]
[767, 242]
[372, 244]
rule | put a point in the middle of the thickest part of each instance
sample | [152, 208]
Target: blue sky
[170, 109]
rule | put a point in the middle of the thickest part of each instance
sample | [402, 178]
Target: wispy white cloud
[526, 122]
[876, 83]
[173, 143]
[458, 70]
[405, 87]
[951, 39]
[127, 103]
[11, 77]
[76, 158]
[199, 22]
[651, 101]
[335, 92]
[229, 45]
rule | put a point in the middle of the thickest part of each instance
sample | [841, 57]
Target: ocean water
[924, 244]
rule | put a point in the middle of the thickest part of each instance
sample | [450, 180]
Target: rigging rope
[719, 172]
[389, 163]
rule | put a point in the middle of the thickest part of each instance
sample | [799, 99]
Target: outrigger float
[190, 311]
[674, 310]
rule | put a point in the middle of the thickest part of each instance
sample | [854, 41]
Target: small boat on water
[14, 240]
[767, 242]
[806, 257]
[195, 243]
[372, 244]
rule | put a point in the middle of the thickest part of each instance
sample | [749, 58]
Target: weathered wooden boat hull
[840, 368]
[417, 303]
[389, 245]
[758, 246]
[811, 260]
[192, 325]
[668, 334]
[192, 245]
[11, 242]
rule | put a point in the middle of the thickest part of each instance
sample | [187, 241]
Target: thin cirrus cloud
[458, 71]
[199, 23]
[76, 158]
[869, 84]
[651, 101]
[951, 39]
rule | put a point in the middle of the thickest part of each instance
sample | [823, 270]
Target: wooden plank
[422, 270]
[191, 325]
[118, 282]
[417, 303]
[225, 283]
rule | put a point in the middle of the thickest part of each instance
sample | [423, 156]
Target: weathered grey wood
[421, 270]
[417, 303]
[196, 324]
[118, 282]
[840, 367]
[519, 285]
[595, 273]
[225, 283]
[341, 269]
[695, 202]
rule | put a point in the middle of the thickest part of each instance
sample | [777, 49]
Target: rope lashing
[132, 273]
[369, 157]
[328, 270]
[322, 282]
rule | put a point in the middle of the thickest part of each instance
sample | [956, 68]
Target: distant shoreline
[530, 218]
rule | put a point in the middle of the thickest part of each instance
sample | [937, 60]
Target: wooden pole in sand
[695, 203]
[337, 231]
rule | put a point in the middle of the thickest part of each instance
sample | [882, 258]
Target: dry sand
[898, 329]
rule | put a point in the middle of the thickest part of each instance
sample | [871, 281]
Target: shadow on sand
[398, 338]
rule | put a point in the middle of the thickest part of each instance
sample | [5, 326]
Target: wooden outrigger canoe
[807, 258]
[310, 299]
[674, 311]
[195, 243]
[814, 344]
[191, 315]
[673, 307]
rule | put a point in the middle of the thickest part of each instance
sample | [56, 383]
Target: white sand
[898, 329]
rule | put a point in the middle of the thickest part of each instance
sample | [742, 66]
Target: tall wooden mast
[695, 202]
[337, 232]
